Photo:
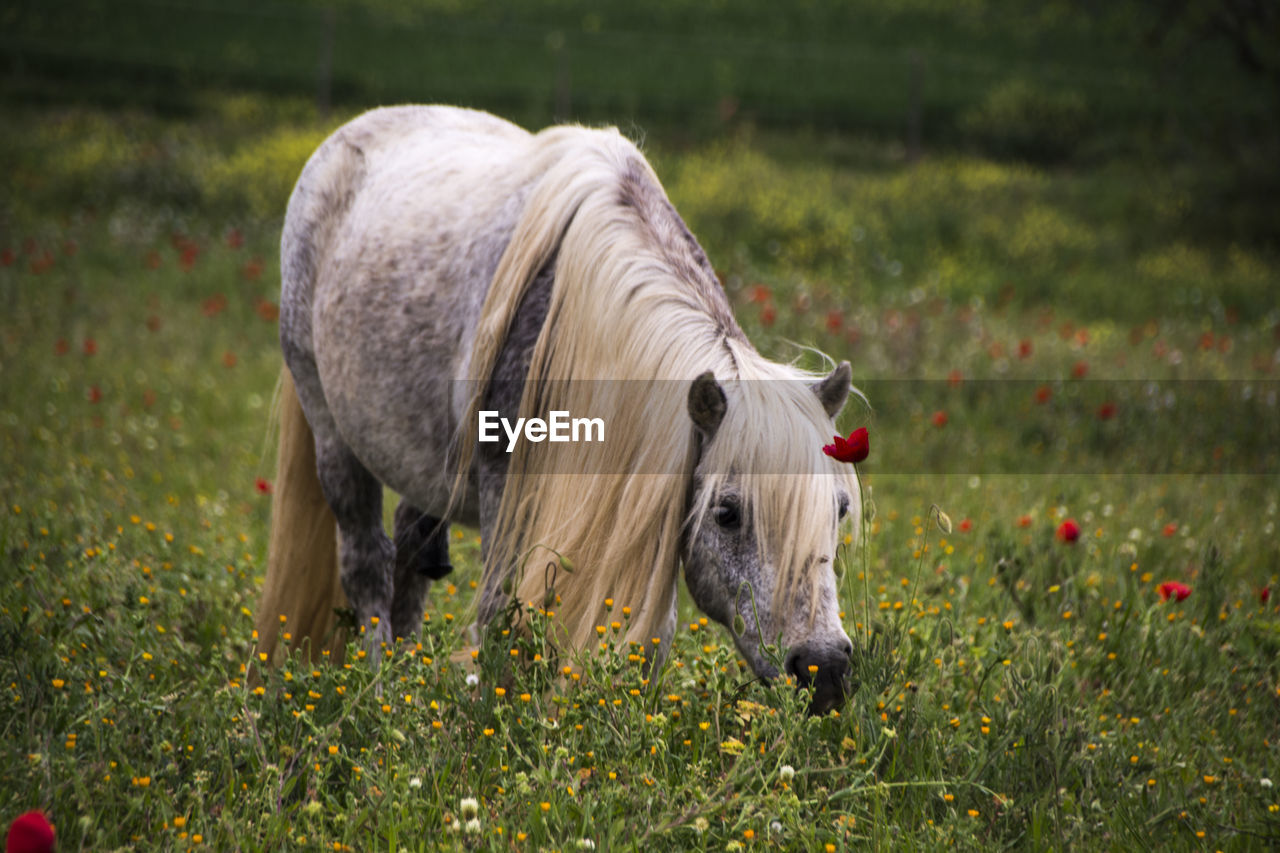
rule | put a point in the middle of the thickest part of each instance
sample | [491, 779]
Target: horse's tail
[302, 587]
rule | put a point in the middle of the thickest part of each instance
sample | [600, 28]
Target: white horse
[439, 262]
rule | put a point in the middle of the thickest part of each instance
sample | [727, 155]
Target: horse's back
[390, 240]
[374, 160]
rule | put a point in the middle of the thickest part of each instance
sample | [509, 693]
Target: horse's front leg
[366, 554]
[422, 555]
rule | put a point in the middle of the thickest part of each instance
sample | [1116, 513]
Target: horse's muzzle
[826, 671]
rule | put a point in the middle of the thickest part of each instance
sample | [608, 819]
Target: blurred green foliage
[847, 216]
[1192, 87]
[1005, 73]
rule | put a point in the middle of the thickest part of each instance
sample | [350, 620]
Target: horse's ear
[707, 404]
[834, 390]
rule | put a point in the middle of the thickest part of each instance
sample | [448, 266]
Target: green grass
[1014, 689]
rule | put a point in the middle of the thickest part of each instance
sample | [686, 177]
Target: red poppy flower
[42, 264]
[966, 525]
[1024, 521]
[1170, 529]
[758, 293]
[768, 314]
[853, 449]
[90, 346]
[234, 239]
[954, 378]
[263, 486]
[30, 833]
[61, 347]
[1068, 531]
[1107, 411]
[939, 418]
[229, 359]
[252, 269]
[1173, 589]
[267, 310]
[1024, 348]
[6, 258]
[95, 393]
[1043, 394]
[214, 305]
[1264, 595]
[190, 254]
[1080, 370]
[835, 321]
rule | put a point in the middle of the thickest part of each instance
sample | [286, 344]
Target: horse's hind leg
[422, 555]
[366, 553]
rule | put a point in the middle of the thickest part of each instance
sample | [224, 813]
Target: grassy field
[1036, 346]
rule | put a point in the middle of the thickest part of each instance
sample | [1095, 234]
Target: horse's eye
[728, 515]
[844, 507]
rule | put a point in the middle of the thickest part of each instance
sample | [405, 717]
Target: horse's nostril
[797, 667]
[848, 649]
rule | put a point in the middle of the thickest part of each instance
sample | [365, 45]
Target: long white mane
[634, 298]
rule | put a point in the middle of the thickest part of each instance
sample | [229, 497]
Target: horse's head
[765, 516]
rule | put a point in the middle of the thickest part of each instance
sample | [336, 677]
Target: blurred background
[1047, 81]
[1114, 160]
